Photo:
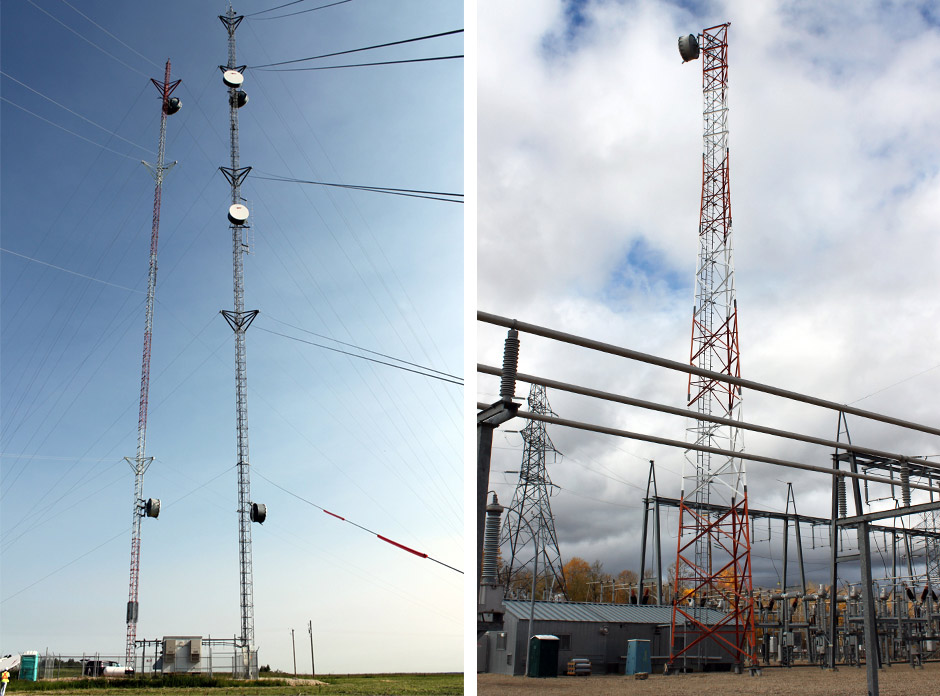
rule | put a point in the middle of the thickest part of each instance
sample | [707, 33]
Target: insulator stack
[507, 384]
[906, 485]
[840, 485]
[494, 512]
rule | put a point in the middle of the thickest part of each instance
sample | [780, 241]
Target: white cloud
[589, 182]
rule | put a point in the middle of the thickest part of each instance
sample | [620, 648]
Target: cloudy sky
[379, 446]
[589, 156]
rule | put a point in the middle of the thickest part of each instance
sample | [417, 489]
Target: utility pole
[313, 668]
[657, 549]
[293, 649]
[151, 508]
[239, 320]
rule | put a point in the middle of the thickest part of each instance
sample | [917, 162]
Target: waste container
[638, 657]
[543, 656]
[29, 665]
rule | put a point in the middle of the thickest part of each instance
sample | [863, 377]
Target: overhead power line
[361, 65]
[71, 132]
[366, 350]
[458, 381]
[410, 193]
[110, 55]
[75, 113]
[130, 48]
[906, 379]
[107, 541]
[271, 9]
[291, 14]
[354, 524]
[80, 275]
[357, 50]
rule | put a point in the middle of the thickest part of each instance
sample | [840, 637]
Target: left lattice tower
[151, 507]
[529, 532]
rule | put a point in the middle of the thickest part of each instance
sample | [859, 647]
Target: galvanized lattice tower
[151, 508]
[713, 566]
[239, 320]
[529, 517]
[931, 523]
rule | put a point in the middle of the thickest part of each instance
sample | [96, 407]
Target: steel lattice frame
[931, 523]
[239, 320]
[713, 551]
[530, 512]
[141, 462]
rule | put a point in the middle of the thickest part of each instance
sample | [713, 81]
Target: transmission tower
[239, 320]
[139, 464]
[713, 567]
[529, 520]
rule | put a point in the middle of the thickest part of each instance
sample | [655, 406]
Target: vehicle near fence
[102, 668]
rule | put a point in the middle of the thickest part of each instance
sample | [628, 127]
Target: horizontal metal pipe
[536, 330]
[807, 519]
[685, 413]
[713, 450]
[887, 514]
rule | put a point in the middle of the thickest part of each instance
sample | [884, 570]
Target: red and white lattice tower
[150, 508]
[712, 600]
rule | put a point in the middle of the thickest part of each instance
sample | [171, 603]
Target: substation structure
[877, 622]
[198, 655]
[793, 625]
[154, 657]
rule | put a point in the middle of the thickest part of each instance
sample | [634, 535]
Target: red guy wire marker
[402, 546]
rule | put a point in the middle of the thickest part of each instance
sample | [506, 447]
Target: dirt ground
[898, 680]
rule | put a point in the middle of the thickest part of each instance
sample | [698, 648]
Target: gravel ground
[898, 680]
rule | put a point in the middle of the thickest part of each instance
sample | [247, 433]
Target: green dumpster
[543, 656]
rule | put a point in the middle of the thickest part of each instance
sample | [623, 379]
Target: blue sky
[589, 164]
[379, 446]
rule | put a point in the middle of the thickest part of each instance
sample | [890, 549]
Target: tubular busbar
[536, 330]
[639, 403]
[713, 450]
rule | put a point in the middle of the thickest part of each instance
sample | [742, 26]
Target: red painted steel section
[402, 546]
[165, 88]
[726, 578]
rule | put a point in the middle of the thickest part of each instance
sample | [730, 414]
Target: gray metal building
[197, 655]
[598, 632]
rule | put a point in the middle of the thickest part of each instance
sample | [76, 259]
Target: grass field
[275, 685]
